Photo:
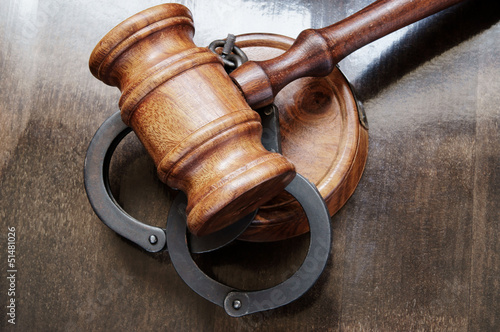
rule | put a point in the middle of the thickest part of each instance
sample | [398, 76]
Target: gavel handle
[317, 51]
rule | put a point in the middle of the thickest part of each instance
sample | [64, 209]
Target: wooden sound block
[321, 134]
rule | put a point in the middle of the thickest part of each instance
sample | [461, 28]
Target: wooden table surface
[415, 248]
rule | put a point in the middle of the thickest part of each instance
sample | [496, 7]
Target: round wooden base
[321, 134]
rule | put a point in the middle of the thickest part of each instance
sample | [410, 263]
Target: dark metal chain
[231, 54]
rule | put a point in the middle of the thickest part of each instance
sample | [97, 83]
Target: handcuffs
[180, 243]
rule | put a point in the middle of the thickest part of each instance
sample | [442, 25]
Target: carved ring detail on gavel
[194, 122]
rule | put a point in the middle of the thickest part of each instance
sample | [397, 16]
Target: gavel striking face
[194, 122]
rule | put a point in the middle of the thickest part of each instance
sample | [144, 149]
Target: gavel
[202, 135]
[198, 123]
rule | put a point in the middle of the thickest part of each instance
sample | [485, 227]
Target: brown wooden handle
[193, 121]
[316, 52]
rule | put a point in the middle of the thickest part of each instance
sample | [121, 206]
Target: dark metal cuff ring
[150, 238]
[239, 303]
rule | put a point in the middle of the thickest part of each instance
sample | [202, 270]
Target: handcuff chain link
[231, 55]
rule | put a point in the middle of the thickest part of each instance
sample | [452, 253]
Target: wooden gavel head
[193, 121]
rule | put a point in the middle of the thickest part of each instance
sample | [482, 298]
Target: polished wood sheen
[415, 248]
[320, 133]
[201, 134]
[316, 52]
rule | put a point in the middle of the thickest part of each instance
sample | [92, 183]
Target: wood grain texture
[316, 52]
[415, 247]
[200, 132]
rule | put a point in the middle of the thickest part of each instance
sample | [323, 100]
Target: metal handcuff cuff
[180, 243]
